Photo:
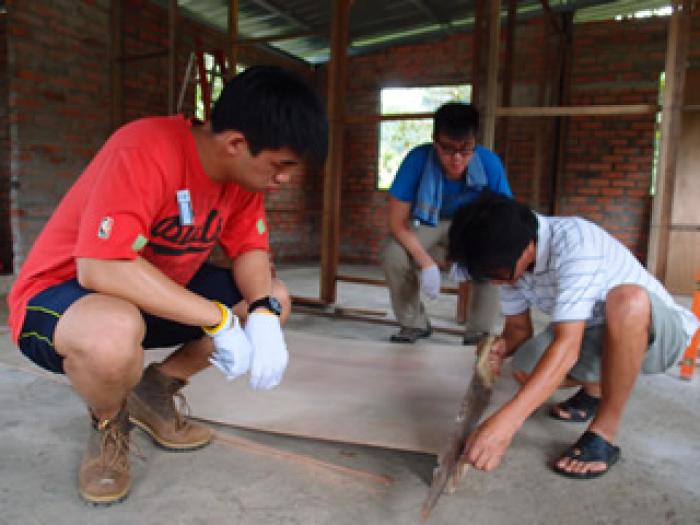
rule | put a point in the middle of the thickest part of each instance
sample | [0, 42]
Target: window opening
[397, 137]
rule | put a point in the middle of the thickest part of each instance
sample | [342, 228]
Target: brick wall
[59, 105]
[5, 233]
[59, 108]
[607, 171]
[607, 161]
[293, 211]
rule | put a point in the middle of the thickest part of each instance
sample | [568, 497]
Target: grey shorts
[666, 344]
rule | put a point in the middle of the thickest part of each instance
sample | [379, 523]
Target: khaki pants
[402, 277]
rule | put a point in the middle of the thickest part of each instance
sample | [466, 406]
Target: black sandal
[581, 407]
[590, 448]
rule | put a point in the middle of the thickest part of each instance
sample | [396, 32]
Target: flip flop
[581, 407]
[590, 448]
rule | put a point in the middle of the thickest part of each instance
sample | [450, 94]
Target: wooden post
[676, 57]
[507, 87]
[172, 56]
[116, 49]
[562, 122]
[232, 37]
[330, 234]
[491, 88]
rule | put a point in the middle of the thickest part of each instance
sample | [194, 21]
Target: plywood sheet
[355, 391]
[683, 261]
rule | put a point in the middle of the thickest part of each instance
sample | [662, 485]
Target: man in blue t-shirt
[432, 182]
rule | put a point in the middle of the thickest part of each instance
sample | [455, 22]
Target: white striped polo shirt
[577, 264]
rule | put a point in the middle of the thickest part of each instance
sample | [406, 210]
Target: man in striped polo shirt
[610, 320]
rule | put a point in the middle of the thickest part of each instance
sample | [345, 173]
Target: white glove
[232, 350]
[270, 354]
[430, 281]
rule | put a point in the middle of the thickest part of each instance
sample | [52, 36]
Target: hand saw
[451, 465]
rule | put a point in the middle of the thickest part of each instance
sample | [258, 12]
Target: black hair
[490, 234]
[456, 120]
[274, 108]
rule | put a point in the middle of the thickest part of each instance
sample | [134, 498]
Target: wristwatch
[269, 302]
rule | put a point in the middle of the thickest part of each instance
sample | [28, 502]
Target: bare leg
[592, 389]
[628, 320]
[100, 338]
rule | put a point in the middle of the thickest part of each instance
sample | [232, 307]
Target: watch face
[275, 305]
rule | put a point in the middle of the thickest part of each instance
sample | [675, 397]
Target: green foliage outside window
[397, 137]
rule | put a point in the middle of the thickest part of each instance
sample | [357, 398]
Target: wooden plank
[676, 55]
[491, 87]
[330, 220]
[301, 459]
[686, 195]
[577, 111]
[341, 313]
[507, 84]
[388, 395]
[381, 282]
[525, 111]
[273, 38]
[563, 97]
[683, 261]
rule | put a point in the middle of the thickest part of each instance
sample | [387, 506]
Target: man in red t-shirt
[121, 266]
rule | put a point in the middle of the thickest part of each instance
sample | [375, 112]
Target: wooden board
[389, 395]
[684, 251]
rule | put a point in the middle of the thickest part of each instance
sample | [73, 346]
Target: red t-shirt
[125, 205]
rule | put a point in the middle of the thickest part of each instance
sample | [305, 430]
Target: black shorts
[46, 308]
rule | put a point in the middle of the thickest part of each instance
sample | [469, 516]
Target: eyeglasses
[451, 151]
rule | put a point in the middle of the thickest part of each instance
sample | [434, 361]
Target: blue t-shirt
[454, 192]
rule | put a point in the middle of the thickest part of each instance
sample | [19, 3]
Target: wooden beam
[330, 221]
[479, 58]
[507, 85]
[232, 38]
[676, 62]
[432, 13]
[551, 16]
[381, 282]
[577, 111]
[274, 38]
[370, 319]
[116, 65]
[523, 111]
[282, 13]
[172, 56]
[489, 118]
[563, 97]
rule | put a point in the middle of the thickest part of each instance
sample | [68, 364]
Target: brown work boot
[152, 409]
[104, 471]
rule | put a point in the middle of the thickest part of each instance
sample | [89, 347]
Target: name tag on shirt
[184, 204]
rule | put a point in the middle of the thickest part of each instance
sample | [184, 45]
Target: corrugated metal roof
[377, 23]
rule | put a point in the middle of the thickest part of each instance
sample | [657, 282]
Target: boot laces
[182, 410]
[116, 446]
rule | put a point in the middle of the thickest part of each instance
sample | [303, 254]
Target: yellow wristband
[211, 330]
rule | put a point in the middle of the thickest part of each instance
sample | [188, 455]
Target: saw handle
[483, 367]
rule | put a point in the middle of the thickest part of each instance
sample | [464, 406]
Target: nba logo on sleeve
[105, 229]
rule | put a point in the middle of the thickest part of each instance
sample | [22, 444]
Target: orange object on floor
[691, 353]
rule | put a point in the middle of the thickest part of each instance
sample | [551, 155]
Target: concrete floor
[43, 426]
